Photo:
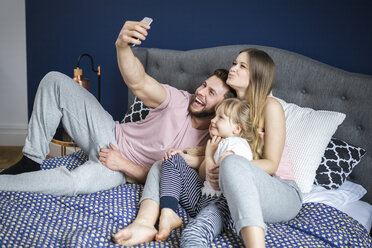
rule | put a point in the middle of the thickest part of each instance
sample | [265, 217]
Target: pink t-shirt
[167, 126]
[285, 169]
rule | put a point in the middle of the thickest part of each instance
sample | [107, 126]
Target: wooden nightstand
[64, 145]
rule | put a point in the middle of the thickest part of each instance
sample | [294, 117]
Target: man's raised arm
[146, 88]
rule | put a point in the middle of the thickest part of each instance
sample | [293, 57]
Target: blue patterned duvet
[38, 220]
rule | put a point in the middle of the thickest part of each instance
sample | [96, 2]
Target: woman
[254, 194]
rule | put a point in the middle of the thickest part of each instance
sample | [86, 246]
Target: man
[115, 150]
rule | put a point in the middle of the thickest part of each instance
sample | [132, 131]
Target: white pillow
[347, 193]
[308, 134]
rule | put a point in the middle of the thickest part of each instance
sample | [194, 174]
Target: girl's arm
[204, 166]
[209, 162]
[274, 140]
[193, 161]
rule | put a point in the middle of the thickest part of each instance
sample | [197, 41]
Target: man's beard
[202, 114]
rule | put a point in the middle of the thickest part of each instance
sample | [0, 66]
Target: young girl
[230, 132]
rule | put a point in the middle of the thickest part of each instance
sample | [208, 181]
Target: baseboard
[16, 136]
[13, 135]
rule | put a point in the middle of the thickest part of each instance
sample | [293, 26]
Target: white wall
[13, 73]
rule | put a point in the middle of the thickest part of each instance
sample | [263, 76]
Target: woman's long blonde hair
[261, 81]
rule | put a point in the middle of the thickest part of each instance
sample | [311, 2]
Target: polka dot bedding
[39, 220]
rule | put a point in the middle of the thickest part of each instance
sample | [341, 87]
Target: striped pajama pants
[181, 184]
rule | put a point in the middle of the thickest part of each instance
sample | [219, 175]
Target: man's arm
[146, 88]
[135, 172]
[112, 159]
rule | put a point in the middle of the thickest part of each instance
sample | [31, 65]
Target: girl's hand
[111, 158]
[172, 152]
[191, 160]
[212, 146]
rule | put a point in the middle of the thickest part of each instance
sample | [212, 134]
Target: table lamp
[78, 75]
[84, 82]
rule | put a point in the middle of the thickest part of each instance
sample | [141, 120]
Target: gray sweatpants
[88, 124]
[254, 197]
[152, 186]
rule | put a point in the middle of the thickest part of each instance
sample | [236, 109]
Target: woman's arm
[275, 133]
[213, 172]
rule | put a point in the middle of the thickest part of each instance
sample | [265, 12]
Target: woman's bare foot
[134, 234]
[168, 221]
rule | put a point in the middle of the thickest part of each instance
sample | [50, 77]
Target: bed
[328, 108]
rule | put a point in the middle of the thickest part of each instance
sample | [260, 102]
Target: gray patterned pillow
[136, 112]
[338, 161]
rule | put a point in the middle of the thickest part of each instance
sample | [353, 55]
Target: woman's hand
[212, 146]
[111, 158]
[213, 172]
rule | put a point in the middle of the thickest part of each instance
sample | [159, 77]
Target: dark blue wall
[336, 32]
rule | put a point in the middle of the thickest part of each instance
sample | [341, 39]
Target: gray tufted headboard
[299, 79]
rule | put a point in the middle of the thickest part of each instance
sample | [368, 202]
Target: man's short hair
[223, 74]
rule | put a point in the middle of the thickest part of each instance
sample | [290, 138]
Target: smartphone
[146, 20]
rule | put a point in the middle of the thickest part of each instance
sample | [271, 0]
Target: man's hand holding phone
[133, 33]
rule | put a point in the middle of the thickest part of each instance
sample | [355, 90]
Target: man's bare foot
[168, 221]
[134, 234]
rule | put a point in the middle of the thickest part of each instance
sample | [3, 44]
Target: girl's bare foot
[134, 234]
[168, 221]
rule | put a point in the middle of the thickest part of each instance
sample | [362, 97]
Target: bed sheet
[38, 220]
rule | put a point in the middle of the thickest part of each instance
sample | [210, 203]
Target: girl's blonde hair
[238, 112]
[261, 81]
